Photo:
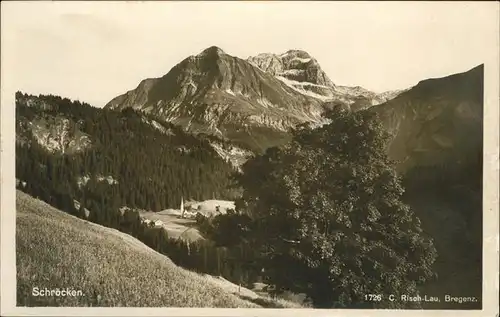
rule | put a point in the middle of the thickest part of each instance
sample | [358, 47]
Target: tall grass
[57, 250]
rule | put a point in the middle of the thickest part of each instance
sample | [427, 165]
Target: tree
[328, 216]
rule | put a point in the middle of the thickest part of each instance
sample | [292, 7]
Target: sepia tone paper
[47, 49]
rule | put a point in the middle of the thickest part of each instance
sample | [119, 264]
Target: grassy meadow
[57, 250]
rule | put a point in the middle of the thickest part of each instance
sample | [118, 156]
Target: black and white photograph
[268, 157]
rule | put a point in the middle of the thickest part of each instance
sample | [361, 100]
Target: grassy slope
[55, 249]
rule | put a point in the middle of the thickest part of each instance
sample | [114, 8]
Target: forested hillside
[69, 150]
[90, 162]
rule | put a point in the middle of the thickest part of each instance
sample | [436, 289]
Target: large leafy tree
[328, 217]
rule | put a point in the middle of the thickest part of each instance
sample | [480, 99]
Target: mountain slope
[91, 259]
[219, 94]
[437, 120]
[437, 136]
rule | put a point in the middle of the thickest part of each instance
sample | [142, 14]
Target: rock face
[219, 94]
[302, 72]
[56, 133]
[294, 65]
[437, 120]
[359, 98]
[233, 154]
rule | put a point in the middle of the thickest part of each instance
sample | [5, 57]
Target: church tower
[182, 207]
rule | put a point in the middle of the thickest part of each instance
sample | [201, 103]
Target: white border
[490, 200]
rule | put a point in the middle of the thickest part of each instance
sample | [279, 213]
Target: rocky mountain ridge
[301, 71]
[222, 95]
[253, 102]
[295, 65]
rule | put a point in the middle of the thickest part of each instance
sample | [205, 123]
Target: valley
[227, 173]
[181, 224]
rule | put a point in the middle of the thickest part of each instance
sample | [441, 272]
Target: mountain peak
[213, 50]
[295, 65]
[296, 53]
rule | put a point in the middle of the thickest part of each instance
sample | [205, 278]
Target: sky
[94, 51]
